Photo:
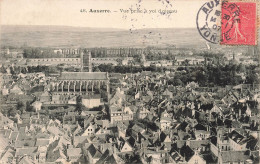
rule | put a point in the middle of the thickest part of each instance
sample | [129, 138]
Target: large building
[53, 61]
[81, 82]
[71, 84]
[86, 64]
[191, 60]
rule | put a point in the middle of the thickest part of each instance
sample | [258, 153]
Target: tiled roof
[233, 156]
[80, 140]
[74, 152]
[26, 151]
[195, 144]
[83, 76]
[94, 152]
[3, 142]
[42, 142]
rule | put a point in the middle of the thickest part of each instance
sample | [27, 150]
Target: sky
[67, 13]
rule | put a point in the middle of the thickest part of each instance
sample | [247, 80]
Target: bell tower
[85, 59]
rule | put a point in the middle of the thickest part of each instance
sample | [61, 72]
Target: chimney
[101, 148]
[114, 149]
[208, 128]
[254, 123]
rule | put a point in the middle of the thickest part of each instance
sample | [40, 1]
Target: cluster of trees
[209, 75]
[20, 108]
[216, 75]
[159, 56]
[34, 69]
[40, 53]
[126, 69]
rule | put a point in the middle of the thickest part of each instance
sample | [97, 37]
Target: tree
[3, 70]
[79, 104]
[28, 107]
[119, 61]
[177, 82]
[23, 70]
[186, 62]
[12, 112]
[12, 70]
[20, 106]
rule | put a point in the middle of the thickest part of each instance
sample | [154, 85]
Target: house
[142, 113]
[91, 101]
[118, 98]
[109, 157]
[126, 147]
[56, 150]
[196, 159]
[164, 138]
[25, 160]
[136, 129]
[56, 156]
[7, 156]
[230, 98]
[222, 143]
[191, 156]
[199, 145]
[157, 155]
[190, 60]
[176, 158]
[192, 85]
[102, 131]
[201, 132]
[16, 90]
[5, 122]
[121, 129]
[165, 114]
[167, 94]
[119, 113]
[127, 113]
[165, 123]
[237, 142]
[5, 91]
[218, 109]
[90, 130]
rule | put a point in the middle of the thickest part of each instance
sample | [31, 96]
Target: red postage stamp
[238, 23]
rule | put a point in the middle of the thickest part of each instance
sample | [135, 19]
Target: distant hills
[66, 36]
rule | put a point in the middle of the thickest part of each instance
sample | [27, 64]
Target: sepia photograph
[129, 82]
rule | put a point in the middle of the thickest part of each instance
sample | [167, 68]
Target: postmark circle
[208, 21]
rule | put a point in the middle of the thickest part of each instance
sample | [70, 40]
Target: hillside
[65, 36]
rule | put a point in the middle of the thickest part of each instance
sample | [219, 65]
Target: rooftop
[83, 76]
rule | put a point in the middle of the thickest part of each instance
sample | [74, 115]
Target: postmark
[208, 21]
[238, 23]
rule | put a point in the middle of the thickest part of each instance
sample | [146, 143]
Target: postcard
[129, 81]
